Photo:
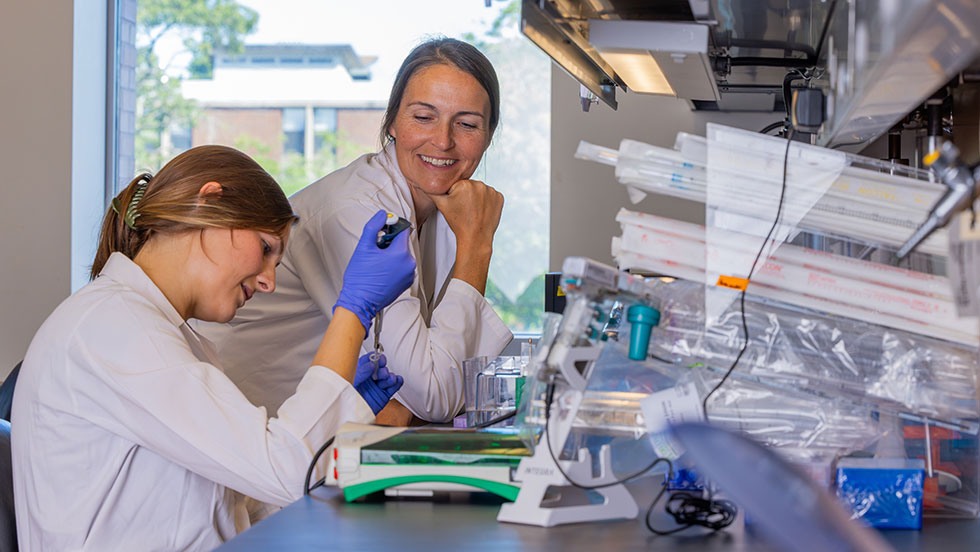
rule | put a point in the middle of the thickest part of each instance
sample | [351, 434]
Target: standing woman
[441, 116]
[126, 433]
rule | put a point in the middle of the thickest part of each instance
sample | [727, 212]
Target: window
[180, 137]
[301, 85]
[294, 130]
[325, 129]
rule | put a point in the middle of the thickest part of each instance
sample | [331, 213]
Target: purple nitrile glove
[375, 383]
[375, 277]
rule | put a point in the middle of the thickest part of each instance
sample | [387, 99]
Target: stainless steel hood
[874, 60]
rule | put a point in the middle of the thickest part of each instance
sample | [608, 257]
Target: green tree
[200, 26]
[296, 171]
[520, 167]
[293, 171]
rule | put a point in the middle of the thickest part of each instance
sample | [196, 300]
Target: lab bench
[462, 521]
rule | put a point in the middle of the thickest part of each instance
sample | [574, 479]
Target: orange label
[733, 282]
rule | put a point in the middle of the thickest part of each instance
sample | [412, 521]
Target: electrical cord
[549, 399]
[745, 325]
[773, 126]
[823, 32]
[796, 73]
[309, 471]
[811, 59]
[791, 76]
[497, 420]
[690, 510]
[847, 144]
[753, 61]
[805, 49]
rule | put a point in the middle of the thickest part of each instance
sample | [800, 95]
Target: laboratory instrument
[492, 388]
[963, 184]
[850, 341]
[376, 328]
[394, 225]
[557, 388]
[418, 462]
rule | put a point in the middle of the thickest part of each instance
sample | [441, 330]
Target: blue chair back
[8, 525]
[7, 392]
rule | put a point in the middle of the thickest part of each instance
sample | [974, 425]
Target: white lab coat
[126, 436]
[427, 332]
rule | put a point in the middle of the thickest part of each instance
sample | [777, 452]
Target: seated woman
[442, 113]
[127, 435]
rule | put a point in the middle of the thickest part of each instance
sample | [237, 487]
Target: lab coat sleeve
[463, 325]
[152, 390]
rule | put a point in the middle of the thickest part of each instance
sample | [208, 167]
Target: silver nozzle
[919, 236]
[962, 190]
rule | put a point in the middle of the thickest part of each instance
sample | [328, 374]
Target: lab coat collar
[440, 240]
[123, 270]
[389, 163]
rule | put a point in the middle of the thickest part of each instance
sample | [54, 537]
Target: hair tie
[131, 212]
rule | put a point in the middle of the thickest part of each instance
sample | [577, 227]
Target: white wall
[585, 195]
[88, 147]
[35, 156]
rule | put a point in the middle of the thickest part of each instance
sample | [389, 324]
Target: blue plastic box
[884, 492]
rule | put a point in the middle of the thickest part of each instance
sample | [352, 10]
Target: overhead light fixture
[569, 49]
[640, 71]
[657, 57]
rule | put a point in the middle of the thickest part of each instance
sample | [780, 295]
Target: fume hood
[856, 68]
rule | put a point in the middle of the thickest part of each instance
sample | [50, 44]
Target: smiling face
[234, 265]
[441, 131]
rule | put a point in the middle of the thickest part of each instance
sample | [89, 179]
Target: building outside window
[301, 86]
[294, 130]
[324, 130]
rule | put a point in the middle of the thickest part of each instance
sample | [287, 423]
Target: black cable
[771, 127]
[805, 49]
[309, 471]
[745, 325]
[653, 504]
[752, 61]
[811, 59]
[694, 511]
[689, 510]
[846, 144]
[791, 76]
[823, 32]
[549, 398]
[497, 420]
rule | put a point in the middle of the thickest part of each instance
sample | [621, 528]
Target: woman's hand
[472, 209]
[374, 382]
[375, 277]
